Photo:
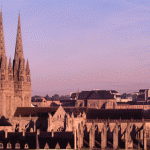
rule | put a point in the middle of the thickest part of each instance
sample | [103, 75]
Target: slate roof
[61, 137]
[37, 111]
[4, 122]
[101, 95]
[34, 111]
[134, 103]
[143, 90]
[95, 94]
[84, 95]
[117, 114]
[16, 137]
[113, 91]
[73, 95]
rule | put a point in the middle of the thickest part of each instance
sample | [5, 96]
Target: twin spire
[19, 61]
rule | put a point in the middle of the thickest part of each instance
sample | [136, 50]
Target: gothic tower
[15, 83]
[22, 82]
[6, 78]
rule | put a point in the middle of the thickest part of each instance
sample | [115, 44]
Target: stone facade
[15, 82]
[92, 128]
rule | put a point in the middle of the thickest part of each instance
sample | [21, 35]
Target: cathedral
[93, 124]
[15, 82]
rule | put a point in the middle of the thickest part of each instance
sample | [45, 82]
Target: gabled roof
[34, 111]
[73, 95]
[37, 111]
[101, 95]
[4, 122]
[62, 138]
[84, 95]
[95, 94]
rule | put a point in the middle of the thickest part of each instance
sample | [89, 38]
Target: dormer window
[17, 146]
[26, 146]
[9, 145]
[1, 145]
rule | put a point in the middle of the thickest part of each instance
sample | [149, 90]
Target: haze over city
[82, 44]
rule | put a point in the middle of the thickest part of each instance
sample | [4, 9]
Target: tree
[47, 97]
[55, 97]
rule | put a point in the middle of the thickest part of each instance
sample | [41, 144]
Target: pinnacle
[27, 66]
[10, 65]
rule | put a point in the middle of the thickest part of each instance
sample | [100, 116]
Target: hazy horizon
[81, 44]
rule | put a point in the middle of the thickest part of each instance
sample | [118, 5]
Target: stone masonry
[15, 82]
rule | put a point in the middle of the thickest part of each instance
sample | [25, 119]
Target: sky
[81, 45]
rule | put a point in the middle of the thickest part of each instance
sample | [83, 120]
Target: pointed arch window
[28, 79]
[3, 77]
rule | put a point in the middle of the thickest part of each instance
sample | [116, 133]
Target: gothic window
[21, 78]
[2, 71]
[28, 79]
[3, 77]
[147, 135]
[10, 77]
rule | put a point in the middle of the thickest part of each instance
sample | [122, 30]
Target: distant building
[99, 99]
[143, 95]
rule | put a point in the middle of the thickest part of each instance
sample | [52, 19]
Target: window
[26, 146]
[28, 78]
[147, 135]
[3, 77]
[17, 146]
[92, 104]
[9, 145]
[1, 145]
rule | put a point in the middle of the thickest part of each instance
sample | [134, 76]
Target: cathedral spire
[2, 43]
[19, 47]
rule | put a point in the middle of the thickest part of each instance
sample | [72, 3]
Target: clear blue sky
[82, 44]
